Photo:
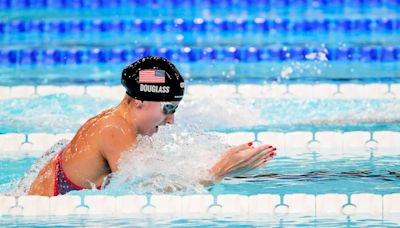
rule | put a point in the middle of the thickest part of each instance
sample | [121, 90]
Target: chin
[151, 132]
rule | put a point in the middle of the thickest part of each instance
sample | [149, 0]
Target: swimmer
[154, 88]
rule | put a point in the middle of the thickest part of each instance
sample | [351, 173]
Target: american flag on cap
[151, 76]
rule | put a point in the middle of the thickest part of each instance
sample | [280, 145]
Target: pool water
[231, 43]
[61, 113]
[204, 221]
[366, 173]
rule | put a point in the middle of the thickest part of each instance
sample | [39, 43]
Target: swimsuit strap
[55, 192]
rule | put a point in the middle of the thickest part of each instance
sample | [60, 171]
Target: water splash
[52, 114]
[22, 187]
[211, 113]
[325, 112]
[173, 160]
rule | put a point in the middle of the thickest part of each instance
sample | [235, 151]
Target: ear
[139, 104]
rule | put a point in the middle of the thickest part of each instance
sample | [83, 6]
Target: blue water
[195, 221]
[152, 12]
[206, 73]
[305, 172]
[65, 113]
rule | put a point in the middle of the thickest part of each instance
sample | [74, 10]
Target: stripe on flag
[151, 76]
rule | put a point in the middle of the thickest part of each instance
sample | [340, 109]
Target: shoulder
[107, 130]
[115, 127]
[114, 136]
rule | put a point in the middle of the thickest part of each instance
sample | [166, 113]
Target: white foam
[214, 113]
[191, 152]
[26, 181]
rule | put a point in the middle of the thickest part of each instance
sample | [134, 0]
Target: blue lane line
[199, 25]
[11, 4]
[236, 54]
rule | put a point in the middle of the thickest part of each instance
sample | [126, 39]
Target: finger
[263, 147]
[262, 163]
[254, 156]
[257, 153]
[259, 165]
[266, 155]
[270, 154]
[242, 147]
[262, 154]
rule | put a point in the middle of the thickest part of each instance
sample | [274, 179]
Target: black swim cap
[153, 78]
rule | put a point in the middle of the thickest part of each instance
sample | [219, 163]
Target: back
[91, 155]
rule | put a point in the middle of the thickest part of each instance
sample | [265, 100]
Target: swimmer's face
[153, 116]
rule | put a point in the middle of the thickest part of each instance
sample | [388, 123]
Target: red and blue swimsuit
[62, 184]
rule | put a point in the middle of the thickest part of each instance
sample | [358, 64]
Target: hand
[241, 159]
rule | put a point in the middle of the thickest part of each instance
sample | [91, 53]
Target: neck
[126, 110]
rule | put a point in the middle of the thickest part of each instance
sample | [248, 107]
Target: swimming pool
[317, 79]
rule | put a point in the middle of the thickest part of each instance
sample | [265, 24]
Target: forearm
[215, 175]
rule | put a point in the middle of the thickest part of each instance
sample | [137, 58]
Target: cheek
[154, 117]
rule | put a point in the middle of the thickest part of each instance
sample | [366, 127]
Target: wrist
[217, 172]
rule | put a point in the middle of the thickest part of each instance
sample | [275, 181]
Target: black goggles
[168, 108]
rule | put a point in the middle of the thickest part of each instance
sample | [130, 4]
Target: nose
[170, 119]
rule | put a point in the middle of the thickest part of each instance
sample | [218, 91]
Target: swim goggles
[168, 108]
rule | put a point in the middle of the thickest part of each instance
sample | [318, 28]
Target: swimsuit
[62, 184]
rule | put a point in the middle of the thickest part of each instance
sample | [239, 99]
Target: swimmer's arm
[113, 141]
[214, 175]
[237, 160]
